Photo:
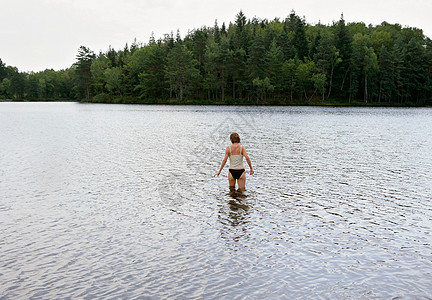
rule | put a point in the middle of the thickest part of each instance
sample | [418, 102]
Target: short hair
[234, 137]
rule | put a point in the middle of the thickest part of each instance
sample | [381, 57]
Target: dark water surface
[113, 201]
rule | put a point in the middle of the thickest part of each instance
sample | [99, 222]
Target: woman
[236, 152]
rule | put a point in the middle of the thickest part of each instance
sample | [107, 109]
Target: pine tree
[273, 64]
[97, 69]
[386, 77]
[216, 33]
[84, 58]
[237, 69]
[289, 71]
[3, 71]
[427, 97]
[415, 70]
[398, 55]
[241, 38]
[181, 70]
[199, 39]
[299, 40]
[327, 57]
[256, 57]
[113, 78]
[153, 77]
[344, 74]
[112, 56]
[370, 70]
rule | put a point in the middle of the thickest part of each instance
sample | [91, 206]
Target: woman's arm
[223, 162]
[248, 160]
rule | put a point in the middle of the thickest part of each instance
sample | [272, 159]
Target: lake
[119, 201]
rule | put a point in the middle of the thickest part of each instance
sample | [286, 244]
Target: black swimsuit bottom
[236, 173]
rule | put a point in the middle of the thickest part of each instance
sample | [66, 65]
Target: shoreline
[131, 101]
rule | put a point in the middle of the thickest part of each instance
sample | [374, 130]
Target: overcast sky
[40, 34]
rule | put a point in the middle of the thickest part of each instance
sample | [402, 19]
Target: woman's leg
[231, 180]
[242, 181]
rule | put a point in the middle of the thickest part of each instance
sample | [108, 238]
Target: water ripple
[104, 201]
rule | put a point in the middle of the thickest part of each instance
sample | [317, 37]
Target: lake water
[119, 201]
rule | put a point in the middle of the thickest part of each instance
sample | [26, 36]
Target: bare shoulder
[244, 151]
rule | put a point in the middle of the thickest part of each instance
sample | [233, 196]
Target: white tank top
[236, 161]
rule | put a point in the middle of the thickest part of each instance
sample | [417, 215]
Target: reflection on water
[234, 218]
[118, 201]
[238, 207]
[237, 194]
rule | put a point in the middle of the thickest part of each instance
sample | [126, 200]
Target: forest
[248, 62]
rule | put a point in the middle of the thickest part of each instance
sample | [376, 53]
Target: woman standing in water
[236, 152]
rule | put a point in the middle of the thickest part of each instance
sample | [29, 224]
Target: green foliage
[263, 87]
[113, 78]
[304, 74]
[181, 71]
[320, 83]
[3, 70]
[273, 65]
[97, 69]
[289, 71]
[256, 57]
[5, 90]
[327, 57]
[249, 61]
[85, 58]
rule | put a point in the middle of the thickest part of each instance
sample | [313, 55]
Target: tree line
[250, 61]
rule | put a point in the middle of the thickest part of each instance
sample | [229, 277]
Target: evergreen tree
[289, 71]
[134, 67]
[32, 90]
[218, 63]
[17, 83]
[256, 60]
[181, 70]
[427, 97]
[291, 22]
[66, 84]
[223, 30]
[4, 82]
[294, 26]
[237, 69]
[249, 58]
[241, 39]
[386, 78]
[314, 46]
[415, 71]
[299, 40]
[113, 78]
[5, 88]
[199, 39]
[398, 55]
[273, 66]
[344, 74]
[112, 56]
[84, 58]
[153, 84]
[3, 71]
[327, 57]
[284, 42]
[97, 69]
[217, 34]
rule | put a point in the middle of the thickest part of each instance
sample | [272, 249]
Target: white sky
[40, 34]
